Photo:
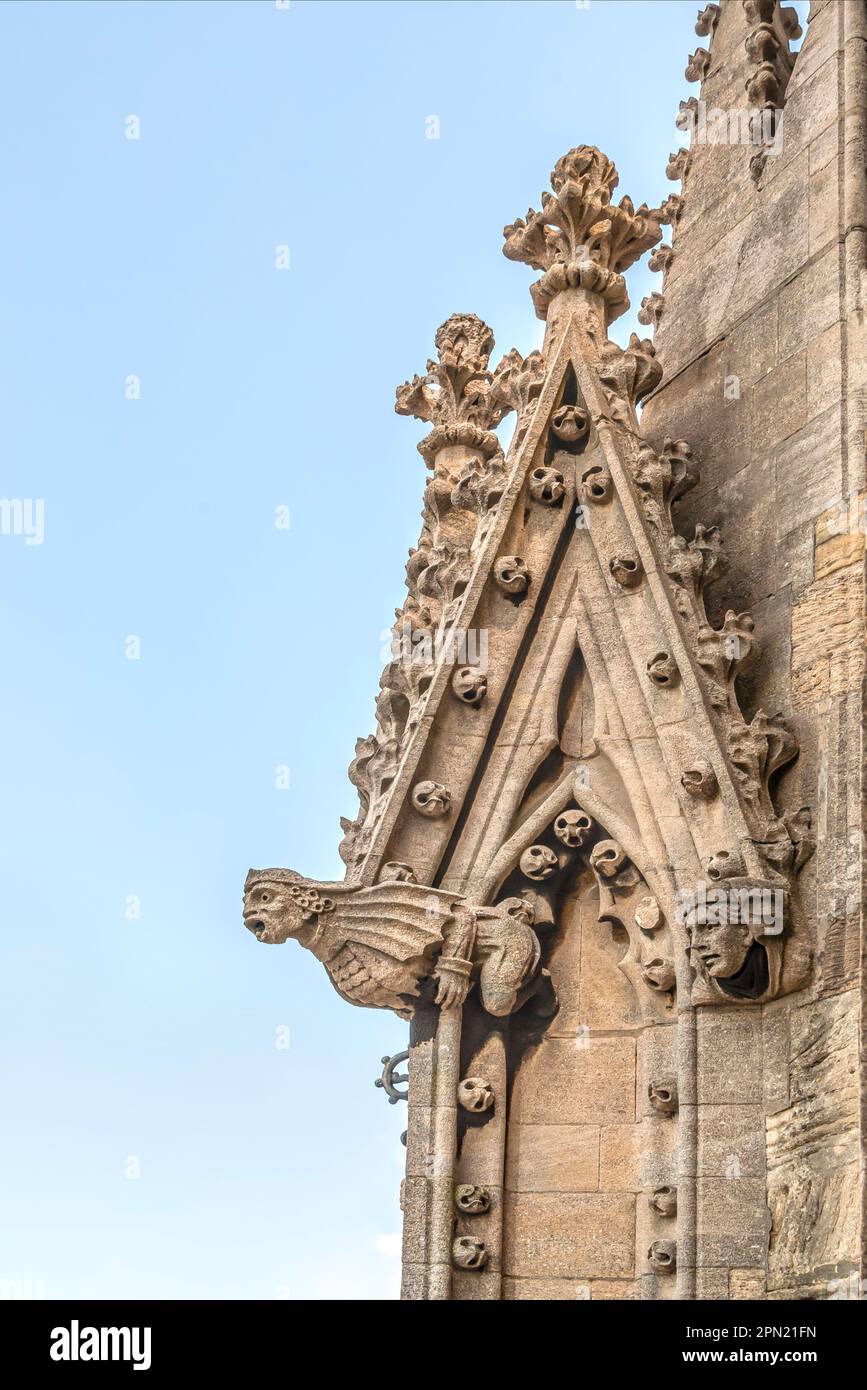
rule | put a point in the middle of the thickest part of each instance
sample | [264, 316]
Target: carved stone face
[475, 1094]
[272, 913]
[469, 1253]
[648, 915]
[662, 1095]
[663, 1200]
[723, 864]
[700, 780]
[538, 862]
[662, 669]
[720, 948]
[595, 484]
[607, 858]
[625, 569]
[570, 423]
[394, 872]
[470, 685]
[431, 799]
[471, 1200]
[662, 1256]
[511, 574]
[572, 827]
[547, 485]
[518, 908]
[659, 974]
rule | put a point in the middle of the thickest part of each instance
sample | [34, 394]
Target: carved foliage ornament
[755, 751]
[455, 395]
[626, 376]
[580, 238]
[464, 402]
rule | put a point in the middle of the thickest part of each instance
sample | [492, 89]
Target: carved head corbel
[735, 930]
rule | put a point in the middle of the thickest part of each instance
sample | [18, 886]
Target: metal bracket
[389, 1081]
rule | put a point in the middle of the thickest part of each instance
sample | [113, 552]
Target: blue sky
[264, 1171]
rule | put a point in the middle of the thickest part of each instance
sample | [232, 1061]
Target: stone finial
[455, 395]
[581, 238]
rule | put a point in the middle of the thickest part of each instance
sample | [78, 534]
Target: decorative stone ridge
[464, 402]
[580, 238]
[767, 48]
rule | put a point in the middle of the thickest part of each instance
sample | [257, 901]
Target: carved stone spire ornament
[575, 847]
[581, 238]
[464, 402]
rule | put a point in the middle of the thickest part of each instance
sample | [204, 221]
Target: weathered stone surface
[747, 1283]
[840, 534]
[731, 1141]
[808, 471]
[828, 636]
[607, 1290]
[552, 1158]
[813, 1158]
[776, 1056]
[732, 1221]
[620, 1158]
[567, 1235]
[559, 1290]
[809, 304]
[590, 1084]
[729, 1058]
[780, 403]
[547, 1290]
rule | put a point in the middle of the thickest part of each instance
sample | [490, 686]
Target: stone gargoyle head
[280, 904]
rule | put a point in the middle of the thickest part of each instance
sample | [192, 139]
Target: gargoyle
[379, 944]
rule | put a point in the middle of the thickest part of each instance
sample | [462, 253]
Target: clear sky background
[149, 1045]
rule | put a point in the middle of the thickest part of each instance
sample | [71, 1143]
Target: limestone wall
[761, 340]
